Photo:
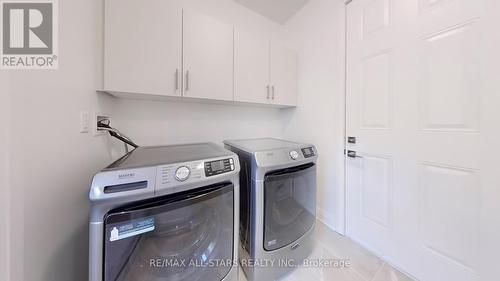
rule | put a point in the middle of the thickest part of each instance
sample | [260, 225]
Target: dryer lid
[264, 144]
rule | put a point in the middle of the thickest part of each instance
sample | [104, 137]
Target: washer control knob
[294, 155]
[182, 173]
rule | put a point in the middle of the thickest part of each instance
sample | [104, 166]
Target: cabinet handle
[187, 80]
[273, 92]
[268, 94]
[176, 79]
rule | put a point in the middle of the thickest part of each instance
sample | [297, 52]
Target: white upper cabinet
[283, 76]
[155, 49]
[208, 58]
[263, 72]
[251, 68]
[143, 45]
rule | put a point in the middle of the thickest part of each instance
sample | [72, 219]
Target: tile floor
[364, 266]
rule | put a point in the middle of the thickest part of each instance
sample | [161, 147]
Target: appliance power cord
[103, 125]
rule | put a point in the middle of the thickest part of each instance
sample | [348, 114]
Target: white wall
[155, 123]
[232, 13]
[52, 163]
[4, 174]
[316, 30]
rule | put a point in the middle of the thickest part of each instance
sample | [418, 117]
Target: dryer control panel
[308, 152]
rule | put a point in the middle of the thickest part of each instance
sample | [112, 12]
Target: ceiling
[276, 10]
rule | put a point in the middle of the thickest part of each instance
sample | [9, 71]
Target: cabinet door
[251, 68]
[143, 42]
[208, 58]
[283, 76]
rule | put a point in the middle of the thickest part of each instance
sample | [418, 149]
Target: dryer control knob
[182, 173]
[294, 154]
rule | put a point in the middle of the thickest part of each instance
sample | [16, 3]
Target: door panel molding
[376, 16]
[449, 74]
[376, 201]
[449, 212]
[376, 85]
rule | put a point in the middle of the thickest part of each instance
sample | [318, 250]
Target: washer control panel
[174, 177]
[182, 173]
[294, 155]
[217, 167]
[171, 175]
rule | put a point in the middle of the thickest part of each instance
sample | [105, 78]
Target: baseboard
[326, 219]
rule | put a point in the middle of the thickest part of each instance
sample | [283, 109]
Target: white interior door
[208, 57]
[251, 68]
[419, 192]
[143, 55]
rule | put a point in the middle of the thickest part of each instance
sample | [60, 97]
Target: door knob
[353, 154]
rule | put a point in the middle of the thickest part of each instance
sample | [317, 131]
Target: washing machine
[277, 205]
[166, 213]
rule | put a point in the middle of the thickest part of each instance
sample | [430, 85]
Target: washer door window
[186, 236]
[289, 205]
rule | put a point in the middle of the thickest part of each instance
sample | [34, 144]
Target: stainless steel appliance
[277, 205]
[166, 213]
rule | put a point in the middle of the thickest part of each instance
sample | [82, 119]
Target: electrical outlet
[98, 117]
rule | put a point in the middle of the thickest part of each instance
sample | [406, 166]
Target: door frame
[342, 200]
